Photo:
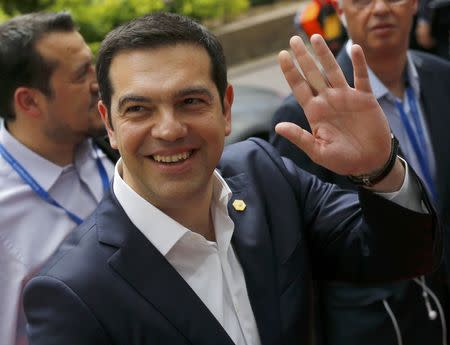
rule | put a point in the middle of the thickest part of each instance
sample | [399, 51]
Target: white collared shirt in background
[211, 269]
[31, 229]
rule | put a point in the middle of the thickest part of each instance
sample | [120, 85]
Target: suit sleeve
[54, 313]
[367, 239]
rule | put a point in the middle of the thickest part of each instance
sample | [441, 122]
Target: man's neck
[195, 215]
[58, 153]
[390, 70]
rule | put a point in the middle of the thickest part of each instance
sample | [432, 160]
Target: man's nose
[380, 5]
[168, 126]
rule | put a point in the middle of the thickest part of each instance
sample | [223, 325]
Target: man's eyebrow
[128, 98]
[194, 90]
[131, 98]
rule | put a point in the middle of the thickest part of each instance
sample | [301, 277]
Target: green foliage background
[97, 17]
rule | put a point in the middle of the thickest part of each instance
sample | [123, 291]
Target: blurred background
[98, 17]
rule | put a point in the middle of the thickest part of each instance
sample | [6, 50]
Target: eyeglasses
[367, 3]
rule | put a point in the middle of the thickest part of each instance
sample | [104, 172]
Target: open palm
[350, 133]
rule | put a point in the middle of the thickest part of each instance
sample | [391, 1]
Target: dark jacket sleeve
[365, 237]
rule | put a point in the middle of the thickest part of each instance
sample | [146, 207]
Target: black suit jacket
[109, 285]
[344, 304]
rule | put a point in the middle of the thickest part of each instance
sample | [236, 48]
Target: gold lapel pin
[239, 205]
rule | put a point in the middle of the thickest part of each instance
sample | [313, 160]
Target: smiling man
[192, 245]
[167, 161]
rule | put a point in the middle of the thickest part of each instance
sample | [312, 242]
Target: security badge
[239, 205]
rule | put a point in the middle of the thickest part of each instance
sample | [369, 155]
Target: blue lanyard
[43, 194]
[417, 138]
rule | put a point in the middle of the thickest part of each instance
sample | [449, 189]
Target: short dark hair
[20, 63]
[156, 30]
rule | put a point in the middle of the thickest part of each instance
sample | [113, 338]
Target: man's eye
[83, 74]
[81, 78]
[134, 109]
[192, 101]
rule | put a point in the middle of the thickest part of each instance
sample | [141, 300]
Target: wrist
[370, 180]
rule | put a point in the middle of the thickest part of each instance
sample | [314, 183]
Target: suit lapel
[150, 274]
[253, 246]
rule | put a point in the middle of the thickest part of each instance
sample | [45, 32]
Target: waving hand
[350, 133]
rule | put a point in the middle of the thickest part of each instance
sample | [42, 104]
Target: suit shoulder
[430, 61]
[241, 150]
[74, 241]
[243, 155]
[261, 163]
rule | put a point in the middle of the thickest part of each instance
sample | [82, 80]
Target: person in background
[192, 245]
[412, 89]
[52, 176]
[433, 27]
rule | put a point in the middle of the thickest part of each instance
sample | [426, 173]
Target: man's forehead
[136, 65]
[60, 45]
[167, 49]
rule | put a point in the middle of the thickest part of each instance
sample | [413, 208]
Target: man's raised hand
[350, 133]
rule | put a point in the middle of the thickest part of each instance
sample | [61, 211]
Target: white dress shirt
[32, 229]
[211, 269]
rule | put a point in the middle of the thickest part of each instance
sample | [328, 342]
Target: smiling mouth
[170, 159]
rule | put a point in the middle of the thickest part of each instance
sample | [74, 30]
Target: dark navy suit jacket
[343, 304]
[109, 285]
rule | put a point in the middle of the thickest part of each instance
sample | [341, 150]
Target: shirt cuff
[409, 195]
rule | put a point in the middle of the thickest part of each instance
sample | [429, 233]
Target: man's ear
[227, 103]
[28, 101]
[103, 110]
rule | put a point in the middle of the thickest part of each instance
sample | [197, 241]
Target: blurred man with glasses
[413, 90]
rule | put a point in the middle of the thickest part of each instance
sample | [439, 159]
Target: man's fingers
[331, 69]
[298, 136]
[361, 75]
[305, 60]
[300, 88]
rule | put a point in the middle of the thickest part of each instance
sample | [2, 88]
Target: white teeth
[173, 158]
